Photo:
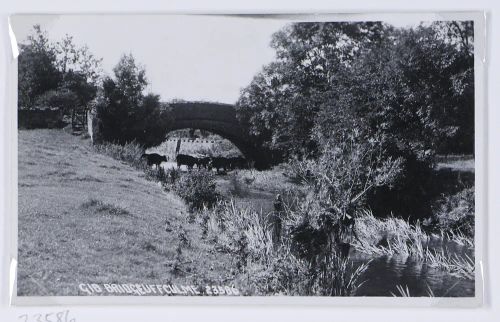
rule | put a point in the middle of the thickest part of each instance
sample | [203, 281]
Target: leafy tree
[410, 88]
[37, 68]
[51, 74]
[148, 124]
[418, 84]
[280, 105]
[71, 58]
[78, 83]
[125, 113]
[130, 79]
[406, 89]
[62, 99]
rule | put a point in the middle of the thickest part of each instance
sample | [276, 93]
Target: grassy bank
[114, 212]
[85, 217]
[240, 225]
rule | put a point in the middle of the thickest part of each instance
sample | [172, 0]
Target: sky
[205, 58]
[190, 57]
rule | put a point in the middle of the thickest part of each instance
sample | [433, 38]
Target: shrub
[198, 189]
[228, 222]
[271, 265]
[455, 213]
[130, 152]
[62, 99]
[235, 186]
[157, 174]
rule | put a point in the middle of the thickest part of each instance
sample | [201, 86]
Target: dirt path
[87, 218]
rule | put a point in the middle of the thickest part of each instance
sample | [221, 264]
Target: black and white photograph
[246, 155]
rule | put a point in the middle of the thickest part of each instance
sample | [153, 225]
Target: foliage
[455, 213]
[339, 180]
[389, 236]
[410, 90]
[59, 75]
[457, 265]
[61, 99]
[37, 68]
[198, 189]
[124, 112]
[71, 58]
[130, 153]
[395, 236]
[415, 85]
[271, 265]
[77, 83]
[280, 105]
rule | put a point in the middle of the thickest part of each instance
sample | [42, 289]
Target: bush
[198, 189]
[455, 213]
[129, 152]
[62, 99]
[235, 186]
[271, 264]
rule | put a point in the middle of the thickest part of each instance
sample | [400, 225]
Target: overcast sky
[187, 57]
[191, 57]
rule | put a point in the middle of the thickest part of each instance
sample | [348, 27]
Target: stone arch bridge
[219, 119]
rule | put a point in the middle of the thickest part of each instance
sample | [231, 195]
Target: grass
[87, 217]
[404, 291]
[255, 189]
[101, 207]
[268, 265]
[74, 231]
[129, 153]
[458, 238]
[389, 236]
[460, 266]
[394, 236]
[273, 180]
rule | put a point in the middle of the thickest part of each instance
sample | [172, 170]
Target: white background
[491, 307]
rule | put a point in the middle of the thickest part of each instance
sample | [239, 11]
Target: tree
[406, 89]
[62, 99]
[410, 88]
[37, 68]
[78, 83]
[71, 58]
[130, 79]
[416, 83]
[53, 73]
[280, 105]
[125, 113]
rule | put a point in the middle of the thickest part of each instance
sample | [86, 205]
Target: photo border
[481, 186]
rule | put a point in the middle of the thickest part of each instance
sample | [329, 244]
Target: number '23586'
[61, 316]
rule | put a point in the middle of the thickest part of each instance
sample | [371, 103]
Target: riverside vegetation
[293, 252]
[356, 117]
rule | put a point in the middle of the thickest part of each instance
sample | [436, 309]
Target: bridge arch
[219, 119]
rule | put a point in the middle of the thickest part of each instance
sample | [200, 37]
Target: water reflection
[386, 272]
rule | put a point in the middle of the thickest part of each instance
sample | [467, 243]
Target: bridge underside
[249, 151]
[219, 119]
